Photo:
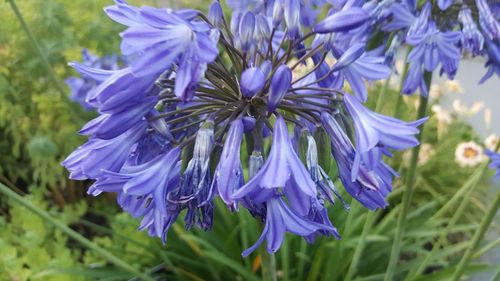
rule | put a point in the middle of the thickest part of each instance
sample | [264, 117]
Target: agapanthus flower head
[173, 120]
[440, 35]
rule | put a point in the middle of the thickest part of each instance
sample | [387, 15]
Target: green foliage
[30, 246]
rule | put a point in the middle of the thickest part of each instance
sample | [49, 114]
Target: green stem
[353, 267]
[478, 236]
[407, 196]
[37, 48]
[73, 234]
[381, 95]
[268, 266]
[399, 101]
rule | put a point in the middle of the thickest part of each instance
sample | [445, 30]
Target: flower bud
[252, 81]
[215, 14]
[266, 67]
[246, 31]
[292, 17]
[342, 21]
[277, 12]
[263, 27]
[280, 84]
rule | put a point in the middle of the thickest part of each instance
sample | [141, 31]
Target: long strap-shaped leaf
[73, 234]
[478, 236]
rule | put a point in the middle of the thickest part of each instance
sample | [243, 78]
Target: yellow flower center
[470, 153]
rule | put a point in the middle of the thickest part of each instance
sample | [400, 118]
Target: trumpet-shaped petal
[228, 175]
[368, 186]
[283, 165]
[281, 219]
[143, 190]
[373, 129]
[88, 161]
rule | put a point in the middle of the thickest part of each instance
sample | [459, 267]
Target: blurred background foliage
[38, 130]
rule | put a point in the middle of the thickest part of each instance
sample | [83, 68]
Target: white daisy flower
[491, 142]
[469, 154]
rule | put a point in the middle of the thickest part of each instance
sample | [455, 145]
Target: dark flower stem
[408, 191]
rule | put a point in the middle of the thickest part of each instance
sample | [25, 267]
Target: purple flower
[246, 31]
[431, 48]
[215, 13]
[402, 17]
[228, 176]
[280, 84]
[280, 219]
[368, 186]
[82, 87]
[342, 21]
[495, 161]
[283, 165]
[88, 161]
[356, 65]
[444, 4]
[252, 81]
[472, 40]
[144, 190]
[108, 126]
[196, 191]
[176, 96]
[493, 63]
[489, 25]
[162, 38]
[292, 17]
[374, 129]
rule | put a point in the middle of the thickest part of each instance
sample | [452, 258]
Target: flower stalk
[408, 192]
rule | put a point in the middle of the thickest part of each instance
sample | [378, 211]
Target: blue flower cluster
[206, 98]
[439, 36]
